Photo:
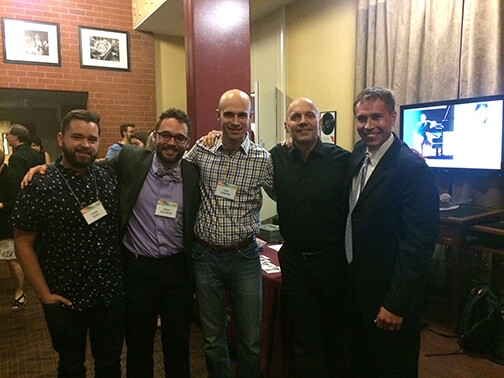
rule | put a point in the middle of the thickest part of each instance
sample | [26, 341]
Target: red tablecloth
[275, 361]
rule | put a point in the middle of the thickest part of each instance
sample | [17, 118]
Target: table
[454, 226]
[275, 357]
[490, 239]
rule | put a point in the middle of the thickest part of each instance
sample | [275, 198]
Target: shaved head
[234, 96]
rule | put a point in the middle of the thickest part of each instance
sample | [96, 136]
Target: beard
[169, 159]
[79, 161]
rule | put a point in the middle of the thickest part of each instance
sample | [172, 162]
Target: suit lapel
[382, 169]
[356, 158]
[190, 185]
[143, 169]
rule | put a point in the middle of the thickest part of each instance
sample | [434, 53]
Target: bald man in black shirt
[308, 184]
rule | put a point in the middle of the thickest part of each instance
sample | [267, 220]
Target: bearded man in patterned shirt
[66, 234]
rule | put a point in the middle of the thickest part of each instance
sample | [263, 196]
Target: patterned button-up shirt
[225, 221]
[81, 262]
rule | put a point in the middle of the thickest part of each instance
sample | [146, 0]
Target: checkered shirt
[221, 220]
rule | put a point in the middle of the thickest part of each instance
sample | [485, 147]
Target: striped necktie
[354, 196]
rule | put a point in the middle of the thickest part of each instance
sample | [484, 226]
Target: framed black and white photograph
[104, 49]
[31, 42]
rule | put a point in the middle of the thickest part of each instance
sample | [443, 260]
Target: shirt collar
[318, 149]
[21, 146]
[69, 171]
[376, 155]
[244, 146]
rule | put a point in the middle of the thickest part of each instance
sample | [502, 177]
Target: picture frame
[31, 42]
[104, 49]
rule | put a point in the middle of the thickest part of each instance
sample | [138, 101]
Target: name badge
[166, 209]
[226, 190]
[94, 212]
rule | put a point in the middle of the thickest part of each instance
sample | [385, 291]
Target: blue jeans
[239, 273]
[68, 330]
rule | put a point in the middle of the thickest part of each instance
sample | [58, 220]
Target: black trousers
[69, 329]
[313, 300]
[157, 286]
[377, 353]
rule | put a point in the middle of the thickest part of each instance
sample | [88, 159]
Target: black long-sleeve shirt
[309, 195]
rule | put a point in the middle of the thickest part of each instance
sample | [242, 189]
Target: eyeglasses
[166, 137]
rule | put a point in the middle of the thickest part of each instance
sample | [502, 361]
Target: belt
[309, 256]
[225, 248]
[134, 256]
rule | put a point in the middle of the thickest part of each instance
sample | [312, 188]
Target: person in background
[36, 144]
[66, 235]
[150, 145]
[159, 200]
[8, 190]
[23, 157]
[126, 130]
[391, 230]
[139, 139]
[308, 185]
[225, 254]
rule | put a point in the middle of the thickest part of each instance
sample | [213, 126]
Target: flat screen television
[464, 133]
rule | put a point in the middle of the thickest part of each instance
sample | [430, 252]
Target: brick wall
[118, 96]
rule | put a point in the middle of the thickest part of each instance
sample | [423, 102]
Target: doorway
[40, 111]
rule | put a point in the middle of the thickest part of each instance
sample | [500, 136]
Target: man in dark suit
[390, 236]
[159, 200]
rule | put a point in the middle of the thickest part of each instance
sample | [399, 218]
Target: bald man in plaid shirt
[225, 254]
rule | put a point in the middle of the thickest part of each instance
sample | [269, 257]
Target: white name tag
[166, 209]
[94, 212]
[226, 190]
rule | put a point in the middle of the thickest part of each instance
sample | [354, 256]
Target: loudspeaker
[328, 127]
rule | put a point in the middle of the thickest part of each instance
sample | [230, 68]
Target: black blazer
[22, 159]
[394, 230]
[132, 165]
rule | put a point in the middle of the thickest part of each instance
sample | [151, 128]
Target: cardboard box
[270, 233]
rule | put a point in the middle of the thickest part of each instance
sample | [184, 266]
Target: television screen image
[465, 133]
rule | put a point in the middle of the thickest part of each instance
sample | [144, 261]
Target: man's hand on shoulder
[39, 169]
[210, 139]
[286, 142]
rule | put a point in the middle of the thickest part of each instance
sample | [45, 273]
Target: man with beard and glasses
[159, 200]
[66, 234]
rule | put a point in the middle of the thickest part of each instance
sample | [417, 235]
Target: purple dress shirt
[151, 235]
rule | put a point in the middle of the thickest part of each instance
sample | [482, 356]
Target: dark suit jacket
[394, 230]
[9, 188]
[132, 165]
[22, 159]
